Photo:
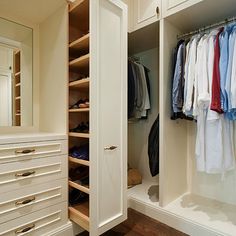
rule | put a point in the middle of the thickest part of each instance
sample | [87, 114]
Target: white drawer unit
[33, 150]
[17, 175]
[38, 223]
[27, 200]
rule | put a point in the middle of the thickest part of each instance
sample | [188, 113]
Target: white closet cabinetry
[143, 13]
[173, 6]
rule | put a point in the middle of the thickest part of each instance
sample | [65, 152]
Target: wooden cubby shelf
[18, 85]
[79, 161]
[80, 63]
[79, 110]
[79, 213]
[17, 74]
[18, 114]
[80, 187]
[78, 135]
[17, 98]
[80, 84]
[80, 44]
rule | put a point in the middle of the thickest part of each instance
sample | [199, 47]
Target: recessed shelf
[18, 114]
[79, 161]
[79, 110]
[79, 213]
[80, 63]
[80, 187]
[17, 98]
[81, 84]
[17, 85]
[80, 44]
[78, 135]
[17, 74]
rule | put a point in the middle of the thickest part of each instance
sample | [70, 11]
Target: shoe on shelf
[81, 152]
[81, 128]
[85, 104]
[83, 181]
[78, 173]
[76, 196]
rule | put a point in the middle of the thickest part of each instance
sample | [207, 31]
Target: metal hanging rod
[203, 29]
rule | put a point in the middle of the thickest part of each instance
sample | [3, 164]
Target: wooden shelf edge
[79, 218]
[18, 98]
[17, 74]
[17, 85]
[78, 83]
[79, 187]
[80, 59]
[79, 161]
[79, 110]
[75, 5]
[78, 135]
[79, 40]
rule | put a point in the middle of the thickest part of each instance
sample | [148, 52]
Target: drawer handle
[110, 148]
[25, 174]
[26, 151]
[25, 229]
[157, 10]
[24, 202]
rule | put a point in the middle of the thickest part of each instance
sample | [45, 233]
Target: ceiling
[34, 11]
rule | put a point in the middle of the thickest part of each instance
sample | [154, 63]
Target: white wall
[54, 72]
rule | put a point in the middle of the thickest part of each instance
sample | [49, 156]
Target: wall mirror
[16, 74]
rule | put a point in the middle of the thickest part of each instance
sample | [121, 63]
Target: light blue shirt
[227, 99]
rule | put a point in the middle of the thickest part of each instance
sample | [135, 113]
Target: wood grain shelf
[78, 135]
[79, 110]
[17, 85]
[80, 63]
[79, 214]
[18, 98]
[17, 74]
[80, 187]
[80, 44]
[79, 161]
[18, 114]
[80, 84]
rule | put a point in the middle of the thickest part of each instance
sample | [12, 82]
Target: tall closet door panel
[109, 174]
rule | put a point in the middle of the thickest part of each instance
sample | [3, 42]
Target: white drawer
[26, 151]
[27, 200]
[38, 223]
[25, 173]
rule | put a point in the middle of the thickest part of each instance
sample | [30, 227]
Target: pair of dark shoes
[82, 103]
[76, 196]
[81, 152]
[78, 173]
[81, 128]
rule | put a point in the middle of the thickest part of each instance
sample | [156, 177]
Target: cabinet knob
[110, 148]
[157, 10]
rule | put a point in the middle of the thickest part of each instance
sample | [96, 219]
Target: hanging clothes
[138, 91]
[209, 95]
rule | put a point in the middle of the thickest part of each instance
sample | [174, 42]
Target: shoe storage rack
[79, 60]
[17, 89]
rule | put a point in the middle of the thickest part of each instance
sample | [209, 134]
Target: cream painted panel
[38, 223]
[27, 200]
[6, 59]
[108, 170]
[17, 175]
[145, 12]
[173, 6]
[33, 150]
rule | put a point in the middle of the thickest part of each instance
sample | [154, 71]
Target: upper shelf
[81, 44]
[80, 84]
[80, 63]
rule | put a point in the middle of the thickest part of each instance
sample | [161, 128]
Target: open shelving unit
[17, 88]
[79, 60]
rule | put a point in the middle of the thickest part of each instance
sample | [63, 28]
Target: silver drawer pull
[24, 202]
[110, 148]
[25, 174]
[25, 229]
[26, 151]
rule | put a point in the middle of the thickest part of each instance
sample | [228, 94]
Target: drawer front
[27, 200]
[38, 223]
[17, 175]
[27, 151]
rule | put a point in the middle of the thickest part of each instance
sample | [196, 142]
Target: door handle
[24, 202]
[157, 10]
[25, 174]
[26, 151]
[111, 148]
[25, 229]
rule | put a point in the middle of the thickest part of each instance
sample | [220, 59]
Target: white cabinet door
[108, 115]
[145, 12]
[6, 59]
[173, 6]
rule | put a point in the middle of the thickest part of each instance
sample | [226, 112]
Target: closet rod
[203, 29]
